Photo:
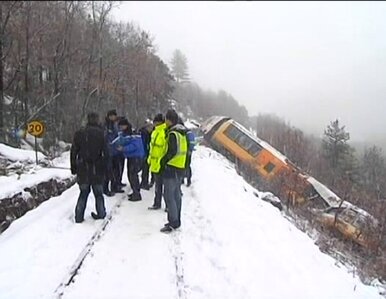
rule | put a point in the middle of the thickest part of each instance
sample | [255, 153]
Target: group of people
[161, 150]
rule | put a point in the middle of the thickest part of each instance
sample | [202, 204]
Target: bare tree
[6, 10]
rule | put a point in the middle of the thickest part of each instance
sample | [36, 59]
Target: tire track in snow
[203, 229]
[179, 265]
[69, 278]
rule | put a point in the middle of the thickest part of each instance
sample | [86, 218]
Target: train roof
[211, 122]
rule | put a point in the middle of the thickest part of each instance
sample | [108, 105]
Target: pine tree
[335, 145]
[180, 66]
[374, 171]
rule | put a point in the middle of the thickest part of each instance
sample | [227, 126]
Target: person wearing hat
[132, 148]
[156, 152]
[172, 169]
[191, 144]
[89, 153]
[145, 132]
[121, 161]
[113, 164]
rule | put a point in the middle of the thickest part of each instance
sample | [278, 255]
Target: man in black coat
[145, 132]
[114, 164]
[89, 155]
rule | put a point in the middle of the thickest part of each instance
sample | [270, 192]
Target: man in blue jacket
[132, 148]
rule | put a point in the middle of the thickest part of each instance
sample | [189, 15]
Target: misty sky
[309, 62]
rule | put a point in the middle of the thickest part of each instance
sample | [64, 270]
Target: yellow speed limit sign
[36, 128]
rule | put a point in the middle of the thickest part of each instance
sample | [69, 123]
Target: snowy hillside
[230, 245]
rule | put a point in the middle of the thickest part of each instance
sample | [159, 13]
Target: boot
[108, 193]
[154, 207]
[135, 197]
[166, 229]
[118, 191]
[144, 186]
[95, 216]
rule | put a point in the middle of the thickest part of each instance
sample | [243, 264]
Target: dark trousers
[82, 201]
[188, 173]
[134, 166]
[109, 175]
[145, 173]
[172, 194]
[158, 189]
[117, 169]
[121, 162]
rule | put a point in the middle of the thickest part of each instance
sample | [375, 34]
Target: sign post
[36, 128]
[36, 150]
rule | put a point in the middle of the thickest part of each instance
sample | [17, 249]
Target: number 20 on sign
[36, 128]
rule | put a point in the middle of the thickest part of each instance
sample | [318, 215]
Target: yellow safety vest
[158, 148]
[179, 159]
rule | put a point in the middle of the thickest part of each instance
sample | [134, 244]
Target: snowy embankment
[230, 245]
[29, 174]
[19, 155]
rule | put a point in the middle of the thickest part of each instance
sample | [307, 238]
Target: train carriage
[269, 166]
[251, 153]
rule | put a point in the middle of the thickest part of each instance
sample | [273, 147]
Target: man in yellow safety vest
[158, 147]
[173, 169]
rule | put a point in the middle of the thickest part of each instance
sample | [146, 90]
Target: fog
[308, 62]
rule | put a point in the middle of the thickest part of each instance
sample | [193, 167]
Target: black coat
[146, 137]
[89, 154]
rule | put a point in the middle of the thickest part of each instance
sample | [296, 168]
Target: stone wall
[16, 206]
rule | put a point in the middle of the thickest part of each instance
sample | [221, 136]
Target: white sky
[309, 62]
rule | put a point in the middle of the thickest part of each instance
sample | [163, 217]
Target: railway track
[77, 265]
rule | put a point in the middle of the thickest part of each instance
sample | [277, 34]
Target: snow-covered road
[231, 245]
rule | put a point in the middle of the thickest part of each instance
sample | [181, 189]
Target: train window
[269, 167]
[243, 140]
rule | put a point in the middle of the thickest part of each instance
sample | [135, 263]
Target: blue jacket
[191, 140]
[133, 147]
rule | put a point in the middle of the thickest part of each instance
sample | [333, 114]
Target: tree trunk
[26, 68]
[2, 129]
[136, 105]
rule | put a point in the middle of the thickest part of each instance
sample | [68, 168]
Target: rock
[22, 202]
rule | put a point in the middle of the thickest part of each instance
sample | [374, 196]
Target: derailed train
[262, 162]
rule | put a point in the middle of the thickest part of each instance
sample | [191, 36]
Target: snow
[231, 245]
[191, 124]
[18, 155]
[15, 183]
[37, 250]
[8, 100]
